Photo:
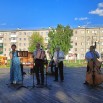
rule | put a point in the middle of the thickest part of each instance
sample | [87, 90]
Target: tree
[60, 36]
[33, 40]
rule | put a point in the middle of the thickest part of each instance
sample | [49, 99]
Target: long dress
[15, 69]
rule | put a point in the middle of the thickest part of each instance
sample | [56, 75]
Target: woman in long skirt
[15, 69]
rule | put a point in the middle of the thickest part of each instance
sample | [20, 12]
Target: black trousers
[60, 69]
[39, 68]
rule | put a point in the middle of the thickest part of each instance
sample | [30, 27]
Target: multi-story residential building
[20, 38]
[83, 38]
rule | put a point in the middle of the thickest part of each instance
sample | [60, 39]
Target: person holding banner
[39, 55]
[15, 69]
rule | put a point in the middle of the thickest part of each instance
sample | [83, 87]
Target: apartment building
[83, 38]
[20, 38]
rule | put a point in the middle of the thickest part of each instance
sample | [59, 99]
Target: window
[94, 32]
[24, 33]
[24, 44]
[13, 38]
[82, 43]
[88, 38]
[87, 49]
[94, 37]
[82, 49]
[75, 44]
[13, 33]
[88, 31]
[19, 33]
[75, 32]
[75, 49]
[5, 49]
[75, 38]
[88, 43]
[24, 38]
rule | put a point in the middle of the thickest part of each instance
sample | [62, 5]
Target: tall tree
[60, 36]
[33, 39]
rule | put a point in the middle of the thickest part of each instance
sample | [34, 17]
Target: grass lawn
[77, 63]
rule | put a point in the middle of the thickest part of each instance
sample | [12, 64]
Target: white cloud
[3, 24]
[75, 18]
[81, 19]
[98, 10]
[100, 5]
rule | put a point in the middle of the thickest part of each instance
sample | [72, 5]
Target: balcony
[13, 40]
[13, 35]
[1, 41]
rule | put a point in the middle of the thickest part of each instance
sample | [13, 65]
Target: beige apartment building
[20, 38]
[83, 38]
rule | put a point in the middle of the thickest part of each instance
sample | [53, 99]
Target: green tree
[33, 39]
[60, 36]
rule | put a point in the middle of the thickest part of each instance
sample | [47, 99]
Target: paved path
[72, 90]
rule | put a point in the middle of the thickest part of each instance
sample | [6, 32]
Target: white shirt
[39, 54]
[60, 56]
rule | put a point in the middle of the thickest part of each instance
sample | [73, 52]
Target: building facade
[83, 38]
[20, 38]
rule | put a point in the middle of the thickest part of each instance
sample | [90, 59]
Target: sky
[34, 14]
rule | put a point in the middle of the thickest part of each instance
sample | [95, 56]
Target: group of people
[93, 73]
[39, 61]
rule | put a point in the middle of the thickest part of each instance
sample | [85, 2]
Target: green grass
[77, 63]
[70, 63]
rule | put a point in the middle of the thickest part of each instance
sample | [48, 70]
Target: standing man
[39, 64]
[58, 59]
